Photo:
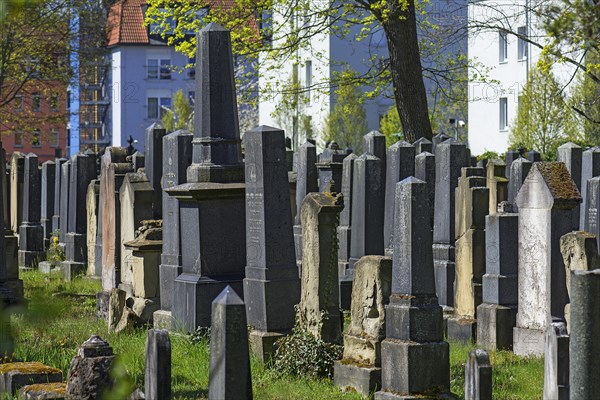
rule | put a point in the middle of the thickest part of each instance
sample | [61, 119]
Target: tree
[181, 116]
[347, 122]
[289, 111]
[278, 41]
[391, 127]
[544, 120]
[585, 101]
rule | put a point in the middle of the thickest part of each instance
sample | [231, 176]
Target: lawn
[61, 316]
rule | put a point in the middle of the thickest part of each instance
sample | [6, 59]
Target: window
[192, 69]
[159, 68]
[522, 31]
[155, 106]
[503, 113]
[308, 78]
[36, 139]
[18, 102]
[503, 42]
[36, 102]
[54, 137]
[19, 139]
[54, 103]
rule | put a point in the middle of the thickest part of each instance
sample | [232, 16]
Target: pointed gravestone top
[214, 27]
[156, 125]
[402, 143]
[308, 144]
[548, 185]
[95, 346]
[422, 140]
[265, 128]
[569, 145]
[228, 297]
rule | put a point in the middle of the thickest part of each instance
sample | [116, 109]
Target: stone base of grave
[163, 320]
[352, 377]
[70, 269]
[43, 391]
[495, 325]
[76, 247]
[462, 330]
[102, 303]
[11, 292]
[47, 266]
[11, 248]
[30, 259]
[528, 341]
[262, 344]
[193, 296]
[15, 375]
[413, 368]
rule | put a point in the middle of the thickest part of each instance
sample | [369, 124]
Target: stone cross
[229, 376]
[413, 298]
[545, 202]
[157, 377]
[272, 285]
[556, 362]
[478, 376]
[31, 232]
[320, 218]
[400, 164]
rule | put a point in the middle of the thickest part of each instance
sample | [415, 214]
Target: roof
[559, 181]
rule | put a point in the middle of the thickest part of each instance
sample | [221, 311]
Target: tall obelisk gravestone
[31, 232]
[213, 234]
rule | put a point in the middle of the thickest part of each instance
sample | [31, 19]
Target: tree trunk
[400, 27]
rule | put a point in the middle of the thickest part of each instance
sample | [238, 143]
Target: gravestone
[153, 164]
[360, 368]
[89, 373]
[138, 160]
[425, 171]
[451, 156]
[157, 375]
[345, 230]
[423, 145]
[590, 167]
[439, 139]
[571, 154]
[99, 246]
[319, 309]
[509, 157]
[415, 357]
[17, 170]
[329, 168]
[584, 348]
[213, 252]
[92, 205]
[177, 157]
[229, 376]
[497, 183]
[534, 156]
[31, 232]
[545, 202]
[519, 170]
[478, 376]
[400, 164]
[271, 285]
[496, 316]
[58, 162]
[306, 182]
[592, 205]
[368, 191]
[472, 206]
[556, 362]
[374, 144]
[47, 199]
[65, 175]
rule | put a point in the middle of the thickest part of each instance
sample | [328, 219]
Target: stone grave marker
[571, 154]
[556, 362]
[31, 232]
[157, 376]
[478, 376]
[519, 170]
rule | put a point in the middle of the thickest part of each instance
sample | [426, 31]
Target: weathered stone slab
[556, 362]
[89, 372]
[157, 377]
[478, 376]
[15, 375]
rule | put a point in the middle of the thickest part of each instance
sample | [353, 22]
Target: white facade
[493, 103]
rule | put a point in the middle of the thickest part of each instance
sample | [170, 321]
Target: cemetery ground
[62, 315]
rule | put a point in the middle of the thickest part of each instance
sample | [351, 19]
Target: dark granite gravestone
[592, 206]
[590, 167]
[229, 376]
[157, 376]
[47, 211]
[138, 160]
[438, 139]
[509, 157]
[345, 230]
[478, 376]
[306, 182]
[451, 156]
[496, 316]
[83, 171]
[177, 157]
[154, 160]
[212, 202]
[584, 348]
[415, 357]
[519, 169]
[65, 173]
[571, 154]
[31, 232]
[423, 145]
[425, 171]
[58, 162]
[272, 285]
[374, 144]
[17, 167]
[556, 362]
[329, 168]
[400, 164]
[534, 156]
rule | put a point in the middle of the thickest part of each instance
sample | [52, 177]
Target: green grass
[61, 316]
